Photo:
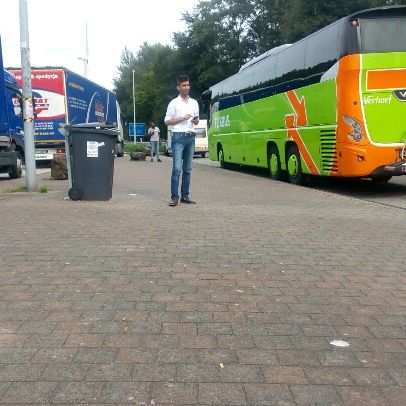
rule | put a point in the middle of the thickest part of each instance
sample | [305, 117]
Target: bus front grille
[328, 152]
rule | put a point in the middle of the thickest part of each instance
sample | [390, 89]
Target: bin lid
[91, 125]
[105, 128]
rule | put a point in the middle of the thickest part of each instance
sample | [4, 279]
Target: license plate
[47, 154]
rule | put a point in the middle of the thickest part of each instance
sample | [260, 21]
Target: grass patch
[20, 189]
[16, 190]
[138, 147]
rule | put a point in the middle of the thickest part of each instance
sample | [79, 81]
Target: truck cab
[11, 123]
[15, 113]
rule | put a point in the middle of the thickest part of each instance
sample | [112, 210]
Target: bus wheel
[221, 158]
[294, 166]
[274, 163]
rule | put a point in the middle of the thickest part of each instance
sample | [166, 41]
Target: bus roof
[388, 11]
[298, 64]
[258, 58]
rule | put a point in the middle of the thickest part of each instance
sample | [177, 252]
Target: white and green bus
[331, 104]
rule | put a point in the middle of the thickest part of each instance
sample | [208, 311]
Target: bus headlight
[356, 134]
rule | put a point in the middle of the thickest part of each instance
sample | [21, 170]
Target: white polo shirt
[179, 108]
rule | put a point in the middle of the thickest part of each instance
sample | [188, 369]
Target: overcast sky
[57, 31]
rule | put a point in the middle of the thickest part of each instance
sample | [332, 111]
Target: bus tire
[294, 166]
[223, 164]
[274, 163]
[203, 154]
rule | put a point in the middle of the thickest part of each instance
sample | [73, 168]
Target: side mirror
[206, 95]
[205, 99]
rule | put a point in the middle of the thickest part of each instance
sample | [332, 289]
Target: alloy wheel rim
[273, 164]
[293, 166]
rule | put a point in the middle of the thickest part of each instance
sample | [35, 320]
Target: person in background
[153, 132]
[182, 114]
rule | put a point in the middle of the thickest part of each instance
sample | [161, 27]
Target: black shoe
[173, 202]
[159, 160]
[187, 200]
[152, 160]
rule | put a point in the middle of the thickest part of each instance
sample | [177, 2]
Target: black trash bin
[91, 154]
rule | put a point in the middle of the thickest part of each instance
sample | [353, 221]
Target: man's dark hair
[181, 79]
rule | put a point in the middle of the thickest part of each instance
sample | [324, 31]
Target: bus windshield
[383, 34]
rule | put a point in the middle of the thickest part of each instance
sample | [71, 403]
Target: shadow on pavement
[357, 188]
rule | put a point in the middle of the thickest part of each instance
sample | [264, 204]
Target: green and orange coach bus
[331, 104]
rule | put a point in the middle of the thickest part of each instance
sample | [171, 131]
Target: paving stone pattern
[232, 301]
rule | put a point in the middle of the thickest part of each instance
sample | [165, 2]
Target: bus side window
[205, 103]
[322, 50]
[213, 109]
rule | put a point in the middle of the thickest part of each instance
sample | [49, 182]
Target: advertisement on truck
[64, 97]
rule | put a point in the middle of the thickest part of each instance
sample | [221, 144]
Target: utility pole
[135, 127]
[28, 109]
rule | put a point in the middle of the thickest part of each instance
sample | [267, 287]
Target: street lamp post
[135, 132]
[28, 110]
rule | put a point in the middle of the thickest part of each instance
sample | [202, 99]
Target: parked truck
[64, 97]
[11, 122]
[201, 142]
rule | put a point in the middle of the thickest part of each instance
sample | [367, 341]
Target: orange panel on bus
[386, 79]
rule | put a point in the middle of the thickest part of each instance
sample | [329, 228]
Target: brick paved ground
[233, 301]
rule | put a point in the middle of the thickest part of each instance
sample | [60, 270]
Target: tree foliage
[152, 70]
[302, 17]
[221, 35]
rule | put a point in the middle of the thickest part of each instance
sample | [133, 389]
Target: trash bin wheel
[74, 194]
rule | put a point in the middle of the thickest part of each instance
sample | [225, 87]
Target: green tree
[221, 35]
[123, 84]
[217, 41]
[265, 29]
[153, 79]
[302, 17]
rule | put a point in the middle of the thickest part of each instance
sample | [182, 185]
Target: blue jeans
[154, 147]
[183, 149]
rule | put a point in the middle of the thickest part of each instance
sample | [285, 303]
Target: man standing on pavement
[153, 132]
[182, 114]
